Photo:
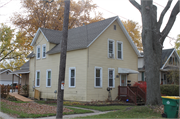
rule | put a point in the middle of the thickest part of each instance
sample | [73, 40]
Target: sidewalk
[96, 112]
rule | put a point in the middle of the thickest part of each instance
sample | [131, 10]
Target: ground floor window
[111, 81]
[37, 83]
[143, 76]
[48, 78]
[98, 77]
[72, 77]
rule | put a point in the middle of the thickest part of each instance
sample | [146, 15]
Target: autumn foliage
[141, 85]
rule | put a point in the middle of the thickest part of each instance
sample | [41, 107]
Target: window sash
[38, 52]
[98, 77]
[111, 78]
[72, 77]
[119, 50]
[44, 51]
[37, 78]
[48, 78]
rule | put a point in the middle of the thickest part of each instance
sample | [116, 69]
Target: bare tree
[62, 65]
[153, 40]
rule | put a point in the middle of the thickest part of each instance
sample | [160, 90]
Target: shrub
[141, 85]
[11, 98]
[170, 90]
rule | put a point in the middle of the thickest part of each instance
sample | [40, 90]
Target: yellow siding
[76, 59]
[98, 56]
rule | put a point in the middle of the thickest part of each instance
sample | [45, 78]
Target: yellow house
[99, 55]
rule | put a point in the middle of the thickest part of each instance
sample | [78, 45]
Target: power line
[5, 4]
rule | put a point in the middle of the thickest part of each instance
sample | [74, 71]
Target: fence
[37, 94]
[5, 89]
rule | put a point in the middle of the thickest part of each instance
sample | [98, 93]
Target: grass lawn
[132, 112]
[9, 109]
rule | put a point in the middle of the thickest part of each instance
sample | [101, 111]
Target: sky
[109, 8]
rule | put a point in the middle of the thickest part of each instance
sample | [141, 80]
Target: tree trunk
[152, 52]
[62, 66]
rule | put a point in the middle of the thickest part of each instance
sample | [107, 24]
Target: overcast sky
[123, 8]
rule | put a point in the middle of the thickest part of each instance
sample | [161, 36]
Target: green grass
[5, 109]
[19, 102]
[102, 108]
[135, 112]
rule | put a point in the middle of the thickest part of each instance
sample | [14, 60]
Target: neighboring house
[99, 55]
[24, 72]
[169, 62]
[6, 77]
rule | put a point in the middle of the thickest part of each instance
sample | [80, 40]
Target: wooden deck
[19, 97]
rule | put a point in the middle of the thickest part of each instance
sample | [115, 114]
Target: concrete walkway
[96, 112]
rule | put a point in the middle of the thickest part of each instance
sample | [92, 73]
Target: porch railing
[23, 90]
[5, 89]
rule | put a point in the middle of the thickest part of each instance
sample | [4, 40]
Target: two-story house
[169, 62]
[99, 55]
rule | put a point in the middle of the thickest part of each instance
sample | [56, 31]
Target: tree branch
[133, 2]
[163, 13]
[6, 55]
[171, 21]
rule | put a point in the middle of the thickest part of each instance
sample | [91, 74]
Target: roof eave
[167, 59]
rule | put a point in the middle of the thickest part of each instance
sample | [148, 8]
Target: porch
[134, 94]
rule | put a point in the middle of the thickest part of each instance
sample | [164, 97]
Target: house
[24, 72]
[6, 77]
[169, 62]
[99, 55]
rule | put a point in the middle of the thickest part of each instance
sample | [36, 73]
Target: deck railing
[5, 89]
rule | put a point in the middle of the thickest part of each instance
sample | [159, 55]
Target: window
[37, 83]
[111, 81]
[119, 50]
[98, 77]
[44, 51]
[48, 78]
[72, 77]
[170, 60]
[114, 27]
[143, 76]
[110, 48]
[38, 52]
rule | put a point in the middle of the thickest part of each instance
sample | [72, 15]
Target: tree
[50, 15]
[177, 44]
[133, 29]
[62, 65]
[153, 39]
[13, 49]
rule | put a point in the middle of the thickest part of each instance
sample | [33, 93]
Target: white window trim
[120, 79]
[100, 77]
[113, 77]
[113, 48]
[44, 45]
[70, 68]
[121, 50]
[39, 78]
[47, 77]
[37, 52]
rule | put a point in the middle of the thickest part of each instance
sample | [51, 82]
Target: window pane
[110, 47]
[49, 74]
[119, 46]
[72, 81]
[97, 81]
[49, 82]
[98, 72]
[44, 51]
[37, 75]
[72, 73]
[110, 74]
[38, 50]
[119, 54]
[37, 82]
[110, 82]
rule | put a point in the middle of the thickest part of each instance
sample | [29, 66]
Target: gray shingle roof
[78, 38]
[25, 65]
[30, 55]
[165, 55]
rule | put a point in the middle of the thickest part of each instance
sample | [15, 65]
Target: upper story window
[72, 77]
[38, 50]
[111, 48]
[119, 50]
[37, 83]
[114, 27]
[98, 77]
[44, 51]
[111, 77]
[48, 78]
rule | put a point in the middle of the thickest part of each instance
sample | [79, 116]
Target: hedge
[170, 90]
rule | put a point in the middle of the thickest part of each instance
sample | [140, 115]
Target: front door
[123, 80]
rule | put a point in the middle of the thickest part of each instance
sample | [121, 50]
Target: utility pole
[62, 66]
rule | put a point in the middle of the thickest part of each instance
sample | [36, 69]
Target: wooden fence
[5, 89]
[37, 94]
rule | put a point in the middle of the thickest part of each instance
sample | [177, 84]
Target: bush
[170, 90]
[11, 98]
[141, 85]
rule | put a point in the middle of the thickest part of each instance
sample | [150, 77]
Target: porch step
[19, 97]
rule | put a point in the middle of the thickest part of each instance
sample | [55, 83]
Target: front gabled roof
[81, 37]
[166, 54]
[7, 70]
